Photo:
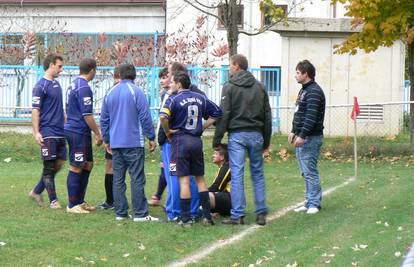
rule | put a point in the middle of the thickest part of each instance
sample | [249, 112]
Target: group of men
[185, 113]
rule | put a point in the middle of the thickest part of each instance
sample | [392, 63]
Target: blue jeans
[239, 143]
[307, 157]
[131, 159]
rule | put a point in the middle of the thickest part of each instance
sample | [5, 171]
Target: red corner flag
[355, 109]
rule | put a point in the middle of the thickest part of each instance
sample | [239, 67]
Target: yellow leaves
[410, 35]
[369, 27]
[284, 154]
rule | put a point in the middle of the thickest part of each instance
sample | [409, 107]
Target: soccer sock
[73, 183]
[162, 184]
[38, 189]
[109, 178]
[49, 182]
[185, 209]
[205, 204]
[83, 185]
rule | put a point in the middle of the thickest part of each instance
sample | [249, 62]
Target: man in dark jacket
[247, 119]
[307, 134]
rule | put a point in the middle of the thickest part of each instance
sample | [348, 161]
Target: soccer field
[366, 223]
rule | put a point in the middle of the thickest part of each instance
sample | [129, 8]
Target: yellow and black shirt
[222, 181]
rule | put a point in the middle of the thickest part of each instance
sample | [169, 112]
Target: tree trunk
[411, 76]
[231, 18]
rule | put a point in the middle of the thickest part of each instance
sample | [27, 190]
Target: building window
[240, 16]
[270, 77]
[267, 20]
[371, 113]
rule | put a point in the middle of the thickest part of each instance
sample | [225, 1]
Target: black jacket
[246, 108]
[310, 111]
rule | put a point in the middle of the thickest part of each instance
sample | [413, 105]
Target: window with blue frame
[270, 77]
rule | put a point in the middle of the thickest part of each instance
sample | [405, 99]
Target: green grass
[40, 237]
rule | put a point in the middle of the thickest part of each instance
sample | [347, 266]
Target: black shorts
[107, 155]
[187, 156]
[80, 148]
[53, 148]
[223, 203]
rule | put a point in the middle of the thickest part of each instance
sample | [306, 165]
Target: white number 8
[192, 117]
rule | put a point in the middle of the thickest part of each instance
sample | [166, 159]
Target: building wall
[100, 18]
[374, 78]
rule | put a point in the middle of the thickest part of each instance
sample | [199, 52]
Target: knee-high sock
[73, 184]
[162, 183]
[109, 178]
[205, 204]
[84, 180]
[185, 209]
[40, 187]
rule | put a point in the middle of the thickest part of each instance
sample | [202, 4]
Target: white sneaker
[148, 218]
[312, 211]
[301, 209]
[120, 218]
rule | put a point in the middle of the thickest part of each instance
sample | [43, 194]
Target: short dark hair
[305, 66]
[127, 72]
[86, 65]
[177, 66]
[163, 73]
[117, 73]
[183, 78]
[51, 58]
[240, 61]
[223, 150]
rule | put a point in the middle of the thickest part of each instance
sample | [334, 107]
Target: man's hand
[108, 148]
[291, 138]
[98, 139]
[39, 139]
[170, 134]
[152, 146]
[299, 141]
[266, 152]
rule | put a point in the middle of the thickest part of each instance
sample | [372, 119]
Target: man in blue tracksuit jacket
[125, 122]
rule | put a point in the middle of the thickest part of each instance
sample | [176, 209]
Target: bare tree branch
[202, 10]
[206, 6]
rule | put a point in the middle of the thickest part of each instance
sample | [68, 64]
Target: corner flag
[355, 109]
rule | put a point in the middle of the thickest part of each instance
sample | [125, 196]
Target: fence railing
[17, 82]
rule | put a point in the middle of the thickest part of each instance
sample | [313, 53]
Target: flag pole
[355, 149]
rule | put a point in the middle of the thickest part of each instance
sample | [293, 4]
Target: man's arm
[36, 126]
[267, 129]
[222, 123]
[90, 121]
[104, 121]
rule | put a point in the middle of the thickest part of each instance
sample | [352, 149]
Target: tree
[228, 13]
[383, 22]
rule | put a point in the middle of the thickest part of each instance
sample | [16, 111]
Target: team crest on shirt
[36, 100]
[45, 152]
[87, 101]
[79, 156]
[173, 167]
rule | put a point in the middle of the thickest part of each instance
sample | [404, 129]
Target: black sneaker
[208, 222]
[231, 221]
[105, 206]
[261, 219]
[187, 224]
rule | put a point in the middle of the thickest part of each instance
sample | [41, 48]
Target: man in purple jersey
[47, 122]
[181, 118]
[80, 122]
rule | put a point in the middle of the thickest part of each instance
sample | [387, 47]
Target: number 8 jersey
[186, 111]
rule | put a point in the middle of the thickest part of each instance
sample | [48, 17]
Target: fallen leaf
[386, 224]
[235, 264]
[104, 259]
[2, 244]
[355, 247]
[378, 222]
[251, 265]
[295, 264]
[79, 258]
[125, 255]
[354, 263]
[141, 246]
[336, 248]
[363, 246]
[397, 254]
[91, 262]
[400, 228]
[7, 160]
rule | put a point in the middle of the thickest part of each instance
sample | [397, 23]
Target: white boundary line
[242, 234]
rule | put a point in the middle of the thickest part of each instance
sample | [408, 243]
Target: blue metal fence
[16, 83]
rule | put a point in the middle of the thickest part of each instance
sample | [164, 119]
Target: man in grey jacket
[247, 119]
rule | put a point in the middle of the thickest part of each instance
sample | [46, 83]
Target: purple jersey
[47, 98]
[186, 111]
[79, 102]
